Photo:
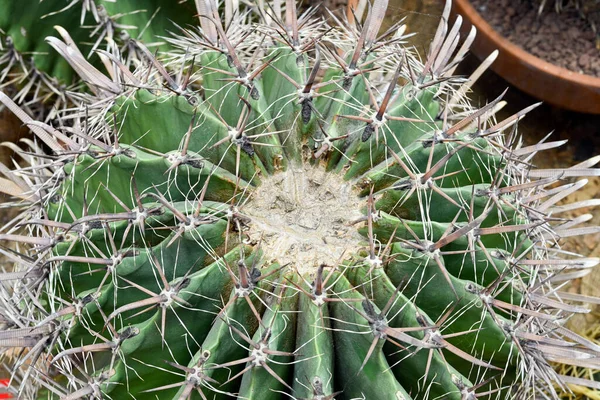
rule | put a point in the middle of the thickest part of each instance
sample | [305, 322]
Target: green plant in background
[40, 77]
[287, 208]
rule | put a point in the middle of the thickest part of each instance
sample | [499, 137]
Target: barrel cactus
[285, 206]
[40, 78]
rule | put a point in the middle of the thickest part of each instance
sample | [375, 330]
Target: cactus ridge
[286, 207]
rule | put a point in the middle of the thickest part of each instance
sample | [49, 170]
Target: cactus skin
[150, 266]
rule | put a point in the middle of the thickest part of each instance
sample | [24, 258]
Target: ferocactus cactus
[287, 208]
[40, 77]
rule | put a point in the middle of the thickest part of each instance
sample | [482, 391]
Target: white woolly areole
[304, 217]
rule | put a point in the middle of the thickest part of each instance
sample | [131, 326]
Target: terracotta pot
[552, 84]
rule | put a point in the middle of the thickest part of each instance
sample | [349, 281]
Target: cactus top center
[304, 217]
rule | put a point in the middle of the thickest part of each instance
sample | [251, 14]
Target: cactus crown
[284, 207]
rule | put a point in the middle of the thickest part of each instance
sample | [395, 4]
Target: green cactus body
[304, 215]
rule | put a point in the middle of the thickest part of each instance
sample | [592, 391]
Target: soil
[564, 39]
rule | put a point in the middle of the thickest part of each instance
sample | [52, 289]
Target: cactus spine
[287, 208]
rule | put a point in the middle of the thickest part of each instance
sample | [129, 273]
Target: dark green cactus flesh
[282, 208]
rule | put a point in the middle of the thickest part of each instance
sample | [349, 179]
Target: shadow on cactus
[289, 209]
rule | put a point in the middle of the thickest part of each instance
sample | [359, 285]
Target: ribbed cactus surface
[287, 207]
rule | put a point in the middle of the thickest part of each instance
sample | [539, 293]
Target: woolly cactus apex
[40, 73]
[306, 211]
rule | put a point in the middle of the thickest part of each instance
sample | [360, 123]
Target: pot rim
[507, 49]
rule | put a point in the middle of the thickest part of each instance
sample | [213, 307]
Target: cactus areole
[283, 206]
